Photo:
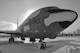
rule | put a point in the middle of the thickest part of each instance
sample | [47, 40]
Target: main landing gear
[23, 38]
[11, 39]
[43, 44]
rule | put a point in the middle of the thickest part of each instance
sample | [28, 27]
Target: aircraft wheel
[11, 40]
[43, 45]
[22, 38]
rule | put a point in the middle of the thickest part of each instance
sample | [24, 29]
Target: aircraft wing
[10, 32]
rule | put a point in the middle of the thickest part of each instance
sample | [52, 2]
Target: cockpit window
[34, 14]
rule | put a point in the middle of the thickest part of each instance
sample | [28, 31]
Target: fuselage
[46, 24]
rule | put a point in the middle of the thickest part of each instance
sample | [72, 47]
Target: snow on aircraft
[45, 22]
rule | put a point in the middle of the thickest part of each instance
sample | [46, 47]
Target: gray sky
[10, 10]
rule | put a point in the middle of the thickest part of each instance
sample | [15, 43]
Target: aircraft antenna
[17, 23]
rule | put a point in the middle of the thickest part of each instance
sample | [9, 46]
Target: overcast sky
[10, 10]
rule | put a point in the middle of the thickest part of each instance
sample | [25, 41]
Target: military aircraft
[43, 23]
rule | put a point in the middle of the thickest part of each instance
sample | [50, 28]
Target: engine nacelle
[53, 37]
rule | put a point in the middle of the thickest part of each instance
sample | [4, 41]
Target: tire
[11, 40]
[43, 45]
[22, 38]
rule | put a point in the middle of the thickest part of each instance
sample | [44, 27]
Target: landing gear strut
[11, 40]
[43, 44]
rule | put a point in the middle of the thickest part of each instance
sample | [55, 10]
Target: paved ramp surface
[60, 46]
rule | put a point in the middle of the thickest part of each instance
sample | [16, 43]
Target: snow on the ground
[78, 43]
[47, 39]
[57, 45]
[64, 38]
[62, 50]
[68, 49]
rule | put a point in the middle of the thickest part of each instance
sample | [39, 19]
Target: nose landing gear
[43, 44]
